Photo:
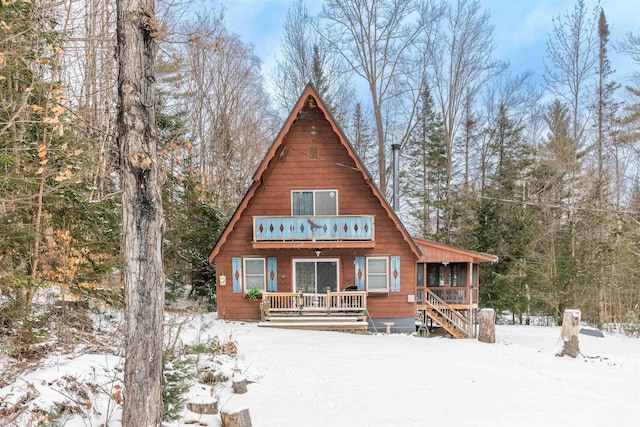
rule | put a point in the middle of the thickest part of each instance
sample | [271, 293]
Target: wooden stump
[265, 306]
[570, 331]
[239, 384]
[203, 408]
[236, 419]
[487, 325]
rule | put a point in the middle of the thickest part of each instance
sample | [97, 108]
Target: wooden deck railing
[292, 302]
[313, 228]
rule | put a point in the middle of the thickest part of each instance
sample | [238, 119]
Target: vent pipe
[396, 178]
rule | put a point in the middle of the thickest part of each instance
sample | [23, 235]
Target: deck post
[300, 302]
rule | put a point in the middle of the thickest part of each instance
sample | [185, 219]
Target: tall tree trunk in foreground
[142, 216]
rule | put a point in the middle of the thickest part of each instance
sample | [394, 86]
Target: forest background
[545, 174]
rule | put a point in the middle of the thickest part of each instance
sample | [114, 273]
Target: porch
[334, 311]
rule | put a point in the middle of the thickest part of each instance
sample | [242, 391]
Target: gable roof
[310, 91]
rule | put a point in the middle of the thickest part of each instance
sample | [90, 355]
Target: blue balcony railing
[313, 228]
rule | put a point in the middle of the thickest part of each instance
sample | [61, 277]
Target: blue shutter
[359, 267]
[236, 273]
[395, 274]
[272, 274]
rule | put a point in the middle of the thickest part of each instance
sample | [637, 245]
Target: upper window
[377, 274]
[315, 202]
[254, 273]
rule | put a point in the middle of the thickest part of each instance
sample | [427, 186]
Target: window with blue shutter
[395, 274]
[236, 273]
[377, 274]
[359, 268]
[272, 274]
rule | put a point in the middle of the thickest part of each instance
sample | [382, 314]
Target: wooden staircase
[345, 323]
[446, 316]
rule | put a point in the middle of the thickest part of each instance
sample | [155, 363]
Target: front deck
[335, 311]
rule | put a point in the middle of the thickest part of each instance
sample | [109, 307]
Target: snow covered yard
[310, 378]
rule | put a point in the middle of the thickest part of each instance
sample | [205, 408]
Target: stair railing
[449, 314]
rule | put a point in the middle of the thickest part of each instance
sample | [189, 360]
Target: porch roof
[439, 252]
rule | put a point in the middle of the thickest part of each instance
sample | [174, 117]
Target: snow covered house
[325, 249]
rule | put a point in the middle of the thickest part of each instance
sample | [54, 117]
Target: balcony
[313, 231]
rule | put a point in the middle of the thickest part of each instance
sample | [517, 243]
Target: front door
[315, 275]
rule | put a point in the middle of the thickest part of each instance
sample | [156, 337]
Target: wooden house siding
[312, 156]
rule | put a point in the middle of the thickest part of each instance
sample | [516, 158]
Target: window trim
[386, 274]
[244, 273]
[314, 199]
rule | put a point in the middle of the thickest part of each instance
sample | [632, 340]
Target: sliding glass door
[315, 275]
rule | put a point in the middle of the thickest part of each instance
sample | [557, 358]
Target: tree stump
[265, 306]
[570, 331]
[239, 384]
[236, 419]
[203, 408]
[487, 325]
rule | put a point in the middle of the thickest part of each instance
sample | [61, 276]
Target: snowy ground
[308, 378]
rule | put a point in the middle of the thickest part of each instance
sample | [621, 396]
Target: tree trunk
[570, 330]
[203, 408]
[142, 215]
[486, 325]
[239, 384]
[236, 419]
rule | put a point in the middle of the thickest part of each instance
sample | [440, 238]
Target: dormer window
[314, 202]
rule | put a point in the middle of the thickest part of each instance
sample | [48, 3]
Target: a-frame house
[314, 234]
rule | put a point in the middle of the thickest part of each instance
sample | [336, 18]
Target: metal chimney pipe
[396, 177]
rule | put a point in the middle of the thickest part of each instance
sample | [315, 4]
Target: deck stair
[446, 316]
[319, 323]
[333, 311]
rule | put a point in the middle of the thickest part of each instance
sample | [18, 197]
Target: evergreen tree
[426, 165]
[362, 137]
[504, 223]
[192, 223]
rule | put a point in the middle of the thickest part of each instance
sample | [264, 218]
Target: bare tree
[572, 57]
[306, 58]
[379, 40]
[142, 213]
[228, 113]
[462, 62]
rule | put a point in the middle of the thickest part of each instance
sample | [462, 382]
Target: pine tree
[504, 223]
[192, 222]
[426, 164]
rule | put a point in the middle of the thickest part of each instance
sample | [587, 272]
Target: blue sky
[521, 28]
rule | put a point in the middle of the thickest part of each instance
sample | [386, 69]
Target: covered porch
[447, 284]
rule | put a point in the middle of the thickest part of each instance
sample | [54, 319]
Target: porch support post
[472, 331]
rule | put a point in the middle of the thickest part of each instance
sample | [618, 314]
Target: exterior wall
[313, 158]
